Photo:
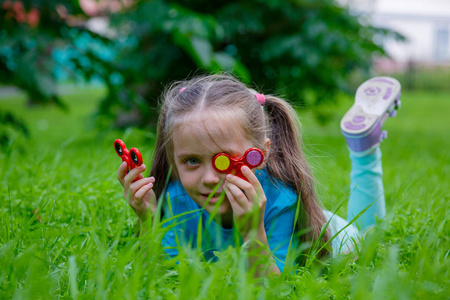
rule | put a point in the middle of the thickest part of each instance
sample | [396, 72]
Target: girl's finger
[243, 185]
[237, 194]
[122, 172]
[140, 193]
[137, 185]
[235, 206]
[133, 174]
[251, 177]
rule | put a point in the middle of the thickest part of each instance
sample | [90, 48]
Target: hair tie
[182, 89]
[261, 98]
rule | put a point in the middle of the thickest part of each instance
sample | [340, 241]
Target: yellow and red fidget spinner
[224, 163]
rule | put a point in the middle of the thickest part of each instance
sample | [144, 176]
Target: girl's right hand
[140, 194]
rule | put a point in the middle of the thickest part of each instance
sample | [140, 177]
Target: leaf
[224, 62]
[201, 51]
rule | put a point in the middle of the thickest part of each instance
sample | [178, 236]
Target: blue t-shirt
[185, 216]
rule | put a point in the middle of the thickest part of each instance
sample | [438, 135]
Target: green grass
[81, 244]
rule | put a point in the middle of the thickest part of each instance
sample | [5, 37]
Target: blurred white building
[424, 23]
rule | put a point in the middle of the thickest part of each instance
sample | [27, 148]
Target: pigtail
[160, 166]
[288, 163]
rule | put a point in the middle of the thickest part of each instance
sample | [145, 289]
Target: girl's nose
[211, 177]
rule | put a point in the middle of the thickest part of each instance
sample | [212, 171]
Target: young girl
[214, 114]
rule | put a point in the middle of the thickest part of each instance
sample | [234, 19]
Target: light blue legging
[366, 187]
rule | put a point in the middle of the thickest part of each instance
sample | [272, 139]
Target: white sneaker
[375, 100]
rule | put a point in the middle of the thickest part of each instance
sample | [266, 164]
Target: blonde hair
[278, 121]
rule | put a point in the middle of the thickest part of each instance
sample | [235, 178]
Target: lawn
[81, 243]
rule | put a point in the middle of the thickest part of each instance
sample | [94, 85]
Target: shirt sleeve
[171, 240]
[279, 222]
[180, 220]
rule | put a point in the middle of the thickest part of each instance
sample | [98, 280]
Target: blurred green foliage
[30, 33]
[27, 42]
[304, 50]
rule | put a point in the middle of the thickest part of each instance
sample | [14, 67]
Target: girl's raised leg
[375, 100]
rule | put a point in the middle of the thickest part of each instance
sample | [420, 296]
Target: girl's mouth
[213, 198]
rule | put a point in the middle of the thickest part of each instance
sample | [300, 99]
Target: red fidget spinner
[224, 163]
[132, 157]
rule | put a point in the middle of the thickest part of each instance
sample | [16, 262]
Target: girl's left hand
[247, 200]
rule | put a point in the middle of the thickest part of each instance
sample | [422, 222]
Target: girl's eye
[192, 161]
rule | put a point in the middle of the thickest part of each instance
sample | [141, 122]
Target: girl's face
[195, 143]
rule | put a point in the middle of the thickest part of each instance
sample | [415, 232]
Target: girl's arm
[259, 246]
[140, 194]
[248, 202]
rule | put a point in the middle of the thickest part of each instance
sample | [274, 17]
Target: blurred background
[422, 59]
[310, 52]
